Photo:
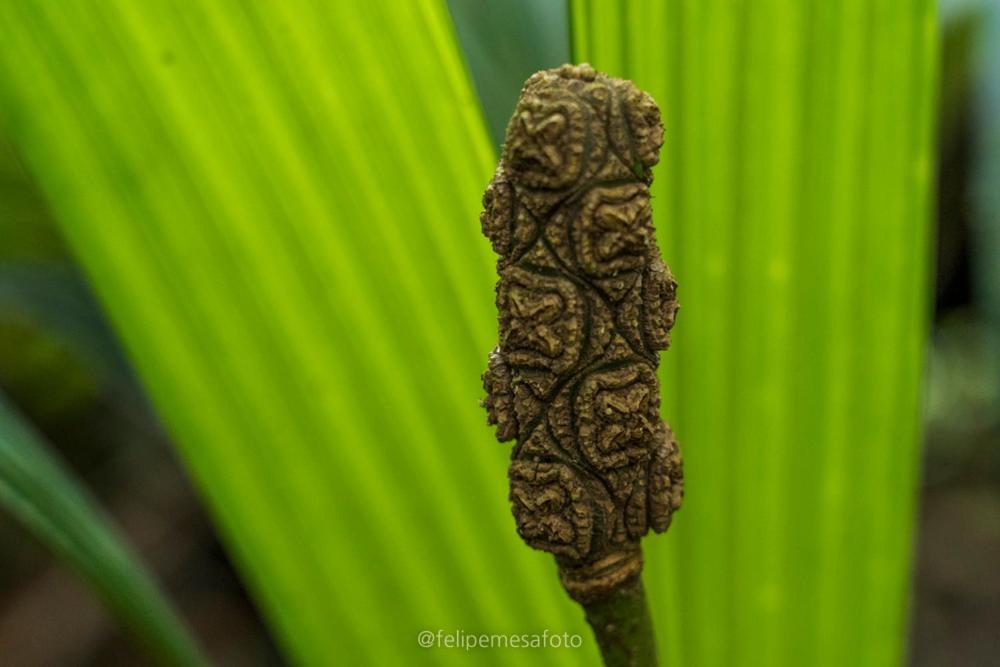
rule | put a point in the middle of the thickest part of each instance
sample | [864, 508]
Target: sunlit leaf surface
[792, 203]
[278, 204]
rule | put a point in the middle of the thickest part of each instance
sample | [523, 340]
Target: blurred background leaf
[986, 193]
[506, 42]
[793, 201]
[277, 204]
[24, 223]
[38, 491]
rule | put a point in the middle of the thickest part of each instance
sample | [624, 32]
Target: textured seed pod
[585, 304]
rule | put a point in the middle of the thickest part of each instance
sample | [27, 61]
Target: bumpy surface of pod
[585, 304]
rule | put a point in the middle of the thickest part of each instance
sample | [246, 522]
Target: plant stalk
[623, 626]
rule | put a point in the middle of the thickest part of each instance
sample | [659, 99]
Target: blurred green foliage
[287, 243]
[506, 42]
[277, 204]
[986, 116]
[41, 323]
[793, 199]
[36, 489]
[25, 226]
[58, 359]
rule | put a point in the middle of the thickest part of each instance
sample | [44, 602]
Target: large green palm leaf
[793, 205]
[278, 205]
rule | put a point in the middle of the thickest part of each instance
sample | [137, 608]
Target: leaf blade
[51, 504]
[287, 242]
[793, 204]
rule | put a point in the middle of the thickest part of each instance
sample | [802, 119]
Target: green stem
[623, 626]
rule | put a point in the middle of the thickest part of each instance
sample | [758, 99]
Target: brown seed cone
[585, 304]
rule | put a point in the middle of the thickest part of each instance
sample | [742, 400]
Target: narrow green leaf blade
[42, 495]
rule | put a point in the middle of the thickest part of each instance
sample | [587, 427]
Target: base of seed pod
[584, 305]
[614, 601]
[595, 580]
